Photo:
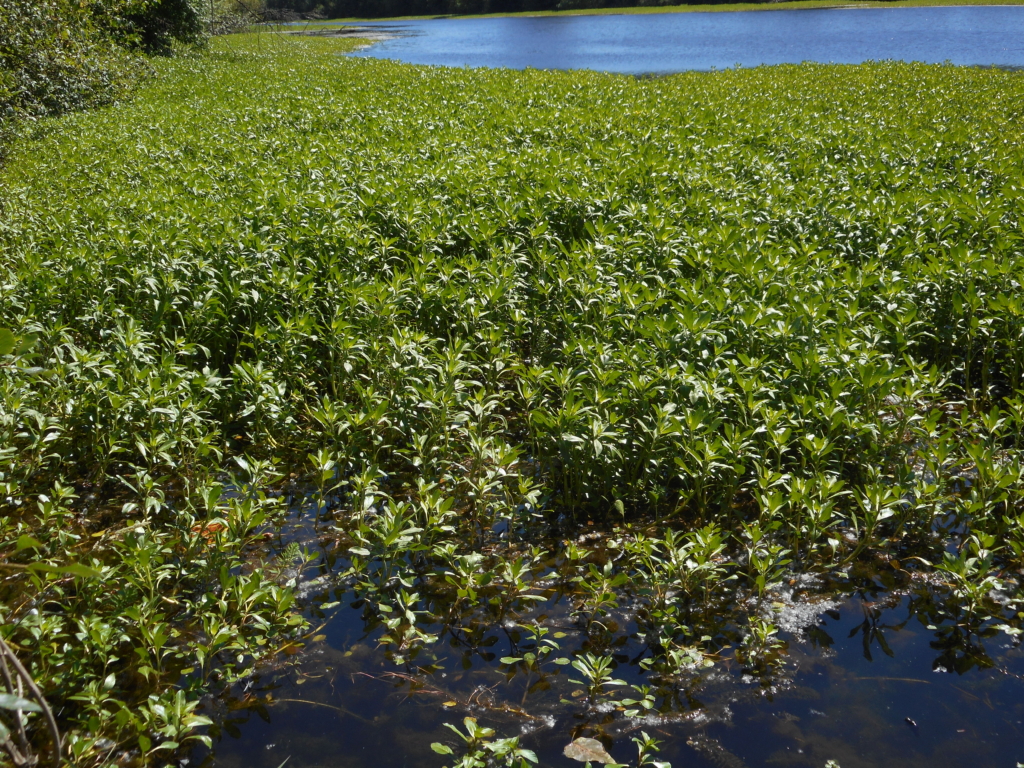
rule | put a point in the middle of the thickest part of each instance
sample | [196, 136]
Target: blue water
[675, 42]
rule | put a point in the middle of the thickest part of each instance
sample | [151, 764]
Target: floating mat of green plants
[666, 342]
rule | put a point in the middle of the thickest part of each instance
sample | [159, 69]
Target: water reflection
[879, 667]
[659, 43]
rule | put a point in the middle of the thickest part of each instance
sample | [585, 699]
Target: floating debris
[586, 750]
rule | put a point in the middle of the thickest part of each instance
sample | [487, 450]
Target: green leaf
[440, 748]
[1011, 631]
[26, 342]
[7, 341]
[25, 542]
[9, 701]
[77, 569]
[145, 743]
[71, 569]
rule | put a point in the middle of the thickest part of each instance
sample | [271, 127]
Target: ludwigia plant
[686, 334]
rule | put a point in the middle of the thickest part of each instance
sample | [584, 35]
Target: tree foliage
[58, 55]
[386, 8]
[154, 25]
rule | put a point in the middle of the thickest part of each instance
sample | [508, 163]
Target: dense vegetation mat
[742, 322]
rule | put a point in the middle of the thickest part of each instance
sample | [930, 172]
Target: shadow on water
[874, 670]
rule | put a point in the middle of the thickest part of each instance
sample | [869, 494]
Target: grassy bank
[742, 323]
[783, 5]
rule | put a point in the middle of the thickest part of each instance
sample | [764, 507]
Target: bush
[57, 56]
[232, 16]
[53, 58]
[154, 25]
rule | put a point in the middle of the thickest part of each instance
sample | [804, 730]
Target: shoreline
[784, 5]
[356, 33]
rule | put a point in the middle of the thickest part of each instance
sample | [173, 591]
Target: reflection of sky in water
[865, 666]
[681, 41]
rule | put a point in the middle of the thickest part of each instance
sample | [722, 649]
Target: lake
[675, 42]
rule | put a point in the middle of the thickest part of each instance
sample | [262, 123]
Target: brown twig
[322, 704]
[15, 690]
[51, 721]
[427, 688]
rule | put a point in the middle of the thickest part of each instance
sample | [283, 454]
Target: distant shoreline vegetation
[348, 10]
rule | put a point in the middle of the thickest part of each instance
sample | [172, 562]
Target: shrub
[154, 25]
[57, 56]
[54, 58]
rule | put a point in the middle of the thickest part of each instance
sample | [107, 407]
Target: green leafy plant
[597, 675]
[471, 315]
[761, 647]
[482, 749]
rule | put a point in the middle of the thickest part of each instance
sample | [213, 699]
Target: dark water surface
[874, 674]
[674, 42]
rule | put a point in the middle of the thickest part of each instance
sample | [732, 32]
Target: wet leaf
[586, 750]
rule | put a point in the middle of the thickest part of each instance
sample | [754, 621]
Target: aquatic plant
[514, 343]
[482, 749]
